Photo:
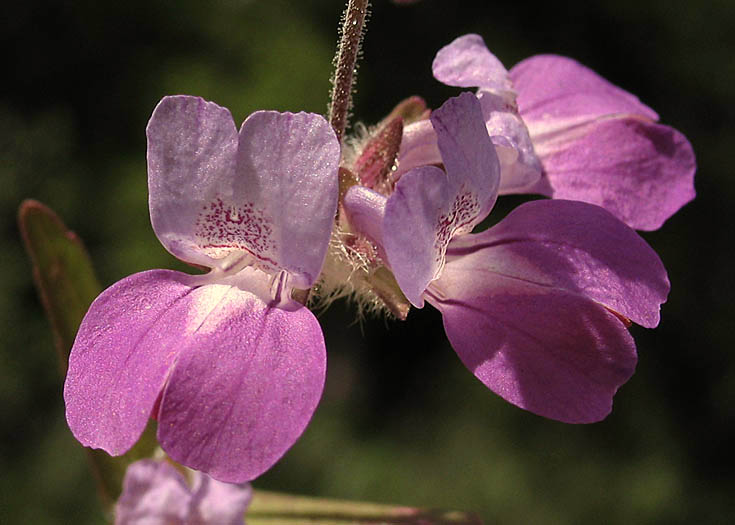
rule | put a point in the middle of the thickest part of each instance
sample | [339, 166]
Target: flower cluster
[537, 306]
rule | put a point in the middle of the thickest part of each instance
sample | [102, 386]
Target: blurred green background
[401, 420]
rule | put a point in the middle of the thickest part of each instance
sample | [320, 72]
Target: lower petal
[245, 385]
[569, 245]
[548, 351]
[121, 357]
[640, 171]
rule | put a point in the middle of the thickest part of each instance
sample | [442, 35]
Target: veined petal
[554, 353]
[153, 493]
[246, 382]
[192, 150]
[640, 171]
[429, 207]
[573, 246]
[287, 173]
[466, 62]
[126, 345]
[561, 92]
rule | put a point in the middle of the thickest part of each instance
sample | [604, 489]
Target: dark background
[401, 420]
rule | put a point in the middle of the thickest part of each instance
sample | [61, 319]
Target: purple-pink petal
[557, 354]
[246, 383]
[640, 171]
[237, 379]
[556, 89]
[121, 358]
[466, 62]
[573, 246]
[600, 144]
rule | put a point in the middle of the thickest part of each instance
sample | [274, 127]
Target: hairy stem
[345, 62]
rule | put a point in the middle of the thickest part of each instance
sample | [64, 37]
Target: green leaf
[62, 271]
[67, 285]
[274, 508]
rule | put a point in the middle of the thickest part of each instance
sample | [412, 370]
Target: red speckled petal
[287, 169]
[269, 192]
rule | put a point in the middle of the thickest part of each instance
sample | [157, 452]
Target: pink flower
[230, 366]
[154, 493]
[537, 305]
[563, 131]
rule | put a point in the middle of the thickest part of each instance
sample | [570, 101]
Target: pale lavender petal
[154, 493]
[519, 165]
[418, 148]
[270, 192]
[218, 503]
[640, 171]
[428, 207]
[287, 173]
[365, 209]
[573, 246]
[246, 382]
[466, 62]
[560, 92]
[418, 224]
[122, 355]
[554, 353]
[192, 149]
[467, 153]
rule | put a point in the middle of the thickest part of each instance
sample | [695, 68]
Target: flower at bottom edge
[154, 492]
